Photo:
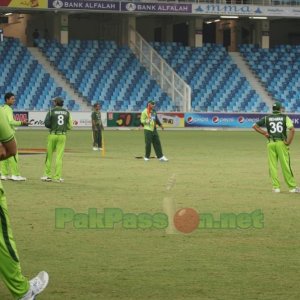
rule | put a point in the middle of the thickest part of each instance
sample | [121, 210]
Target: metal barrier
[171, 83]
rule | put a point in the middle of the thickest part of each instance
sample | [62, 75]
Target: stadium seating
[279, 69]
[26, 78]
[217, 83]
[103, 72]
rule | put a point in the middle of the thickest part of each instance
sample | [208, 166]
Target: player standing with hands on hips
[278, 141]
[11, 165]
[149, 120]
[10, 268]
[58, 120]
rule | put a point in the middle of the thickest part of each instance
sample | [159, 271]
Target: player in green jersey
[58, 120]
[149, 120]
[11, 165]
[278, 141]
[97, 127]
[10, 268]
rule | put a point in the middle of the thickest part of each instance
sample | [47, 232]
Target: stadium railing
[160, 70]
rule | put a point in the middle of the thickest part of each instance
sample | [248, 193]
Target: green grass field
[216, 172]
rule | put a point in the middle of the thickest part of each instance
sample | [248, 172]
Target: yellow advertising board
[24, 3]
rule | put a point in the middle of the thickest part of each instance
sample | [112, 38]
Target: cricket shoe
[4, 177]
[58, 180]
[100, 149]
[295, 190]
[146, 159]
[276, 190]
[95, 148]
[163, 158]
[37, 285]
[17, 178]
[46, 178]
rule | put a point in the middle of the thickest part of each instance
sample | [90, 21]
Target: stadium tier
[279, 69]
[103, 72]
[217, 83]
[27, 79]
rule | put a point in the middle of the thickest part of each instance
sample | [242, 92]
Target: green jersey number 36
[276, 127]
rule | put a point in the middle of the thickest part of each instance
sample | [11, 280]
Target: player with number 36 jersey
[277, 125]
[58, 120]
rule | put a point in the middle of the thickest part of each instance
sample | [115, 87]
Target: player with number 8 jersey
[278, 141]
[58, 120]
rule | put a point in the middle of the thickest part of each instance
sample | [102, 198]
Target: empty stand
[217, 83]
[27, 79]
[101, 71]
[279, 70]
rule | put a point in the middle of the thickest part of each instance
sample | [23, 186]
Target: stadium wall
[114, 26]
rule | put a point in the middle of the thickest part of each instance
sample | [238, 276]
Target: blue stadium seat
[278, 69]
[214, 88]
[102, 70]
[23, 75]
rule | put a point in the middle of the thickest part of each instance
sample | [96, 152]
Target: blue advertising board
[156, 7]
[85, 5]
[228, 120]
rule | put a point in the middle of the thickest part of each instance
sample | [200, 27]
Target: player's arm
[47, 120]
[8, 145]
[291, 134]
[101, 126]
[260, 130]
[12, 121]
[70, 122]
[257, 127]
[159, 123]
[8, 149]
[18, 123]
[93, 121]
[144, 118]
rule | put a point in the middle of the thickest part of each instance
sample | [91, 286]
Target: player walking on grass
[11, 165]
[150, 120]
[97, 127]
[58, 120]
[10, 268]
[278, 141]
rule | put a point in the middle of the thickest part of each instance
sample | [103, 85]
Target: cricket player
[277, 125]
[150, 120]
[58, 120]
[10, 268]
[97, 127]
[11, 165]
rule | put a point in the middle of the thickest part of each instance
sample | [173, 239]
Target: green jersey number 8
[60, 120]
[276, 127]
